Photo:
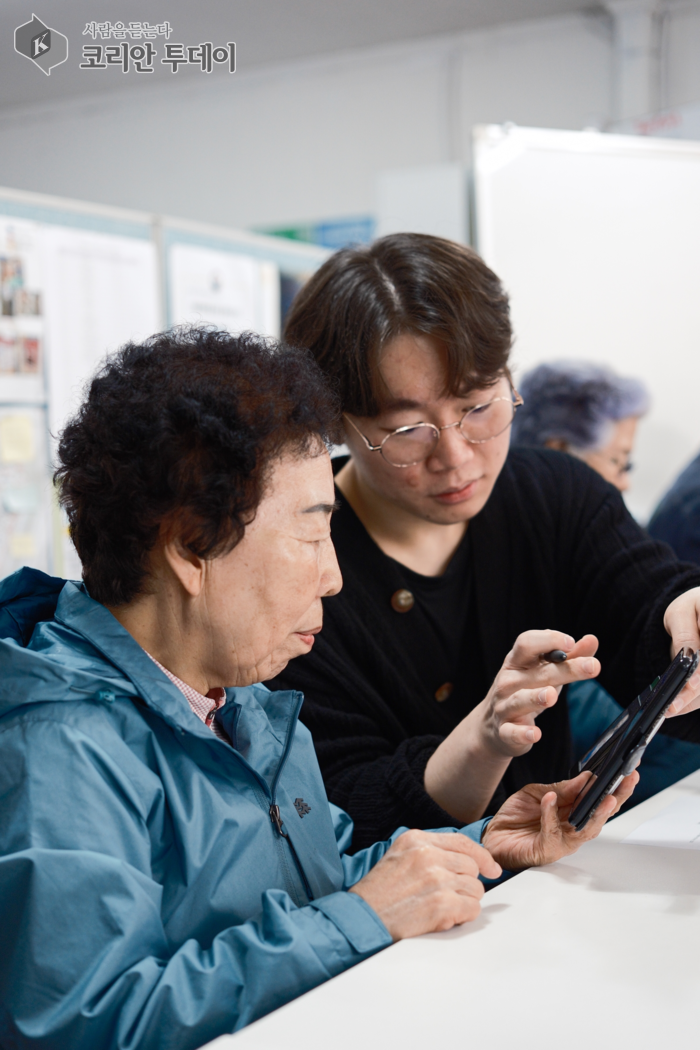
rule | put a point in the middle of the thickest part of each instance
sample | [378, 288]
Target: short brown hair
[183, 427]
[362, 298]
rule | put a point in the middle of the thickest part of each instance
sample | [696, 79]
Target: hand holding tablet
[619, 750]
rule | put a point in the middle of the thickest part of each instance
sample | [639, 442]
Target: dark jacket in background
[554, 548]
[676, 520]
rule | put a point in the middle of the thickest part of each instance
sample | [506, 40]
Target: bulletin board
[22, 307]
[77, 281]
[597, 240]
[25, 489]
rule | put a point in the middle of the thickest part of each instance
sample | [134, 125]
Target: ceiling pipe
[635, 57]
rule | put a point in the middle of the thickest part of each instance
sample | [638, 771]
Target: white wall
[306, 141]
[597, 240]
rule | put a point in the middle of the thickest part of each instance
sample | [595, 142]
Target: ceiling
[265, 32]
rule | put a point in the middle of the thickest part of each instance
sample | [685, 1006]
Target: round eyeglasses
[407, 446]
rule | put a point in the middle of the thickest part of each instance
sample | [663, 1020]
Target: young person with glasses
[462, 563]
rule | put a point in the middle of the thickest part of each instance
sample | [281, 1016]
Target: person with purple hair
[584, 409]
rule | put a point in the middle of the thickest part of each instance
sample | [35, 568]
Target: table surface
[599, 950]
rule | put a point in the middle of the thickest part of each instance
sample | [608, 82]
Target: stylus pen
[554, 656]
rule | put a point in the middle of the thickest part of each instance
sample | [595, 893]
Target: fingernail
[542, 696]
[588, 665]
[569, 641]
[530, 735]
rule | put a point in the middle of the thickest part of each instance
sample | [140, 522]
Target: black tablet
[620, 748]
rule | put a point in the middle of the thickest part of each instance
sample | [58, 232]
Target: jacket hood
[26, 598]
[35, 667]
[60, 644]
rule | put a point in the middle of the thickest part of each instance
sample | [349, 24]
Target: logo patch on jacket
[301, 807]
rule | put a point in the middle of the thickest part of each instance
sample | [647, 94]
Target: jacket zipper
[276, 819]
[275, 815]
[274, 810]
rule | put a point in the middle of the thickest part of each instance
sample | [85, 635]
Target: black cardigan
[554, 548]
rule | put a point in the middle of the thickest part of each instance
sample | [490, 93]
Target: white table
[598, 951]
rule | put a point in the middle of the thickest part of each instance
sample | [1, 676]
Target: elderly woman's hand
[427, 881]
[464, 771]
[531, 827]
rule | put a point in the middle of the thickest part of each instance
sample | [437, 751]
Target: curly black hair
[182, 429]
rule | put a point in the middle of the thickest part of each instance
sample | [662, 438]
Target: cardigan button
[444, 692]
[402, 601]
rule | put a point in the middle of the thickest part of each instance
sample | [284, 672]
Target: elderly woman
[451, 547]
[584, 409]
[170, 868]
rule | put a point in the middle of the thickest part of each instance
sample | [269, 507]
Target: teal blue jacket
[152, 894]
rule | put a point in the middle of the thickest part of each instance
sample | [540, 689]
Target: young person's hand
[531, 827]
[427, 881]
[527, 685]
[465, 770]
[682, 621]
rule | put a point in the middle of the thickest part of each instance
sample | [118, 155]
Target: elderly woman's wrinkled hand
[426, 882]
[531, 828]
